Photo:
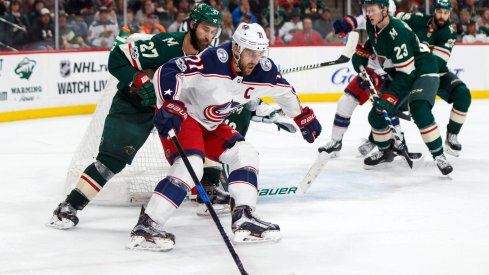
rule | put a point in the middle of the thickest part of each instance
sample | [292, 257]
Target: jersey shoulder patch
[266, 64]
[222, 55]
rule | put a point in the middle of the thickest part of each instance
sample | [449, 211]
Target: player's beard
[246, 68]
[440, 23]
[198, 44]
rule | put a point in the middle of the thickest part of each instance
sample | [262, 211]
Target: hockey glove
[375, 78]
[142, 86]
[344, 25]
[269, 114]
[308, 124]
[170, 116]
[387, 102]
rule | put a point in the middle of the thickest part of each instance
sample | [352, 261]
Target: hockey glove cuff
[142, 86]
[308, 124]
[387, 102]
[170, 116]
[376, 79]
[345, 25]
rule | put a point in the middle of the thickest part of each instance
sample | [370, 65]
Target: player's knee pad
[346, 105]
[242, 154]
[179, 171]
[461, 98]
[421, 113]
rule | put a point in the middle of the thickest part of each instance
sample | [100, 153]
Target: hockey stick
[373, 96]
[314, 171]
[205, 198]
[344, 58]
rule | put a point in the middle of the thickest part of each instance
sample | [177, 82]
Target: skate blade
[335, 154]
[62, 224]
[400, 161]
[221, 210]
[244, 236]
[452, 152]
[157, 245]
[380, 166]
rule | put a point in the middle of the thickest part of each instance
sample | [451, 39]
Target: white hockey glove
[269, 114]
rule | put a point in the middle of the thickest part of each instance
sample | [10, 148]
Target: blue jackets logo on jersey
[217, 113]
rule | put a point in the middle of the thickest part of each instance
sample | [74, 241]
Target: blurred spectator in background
[133, 26]
[464, 18]
[167, 12]
[246, 18]
[3, 8]
[471, 35]
[147, 9]
[468, 5]
[80, 7]
[155, 30]
[279, 16]
[288, 5]
[68, 39]
[102, 33]
[307, 35]
[238, 12]
[312, 8]
[184, 5]
[80, 27]
[150, 23]
[14, 36]
[324, 25]
[36, 12]
[227, 28]
[257, 7]
[109, 4]
[291, 27]
[278, 39]
[483, 22]
[41, 35]
[181, 15]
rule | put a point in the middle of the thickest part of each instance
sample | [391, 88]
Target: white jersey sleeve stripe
[442, 53]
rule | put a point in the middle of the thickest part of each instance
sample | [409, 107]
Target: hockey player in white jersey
[195, 94]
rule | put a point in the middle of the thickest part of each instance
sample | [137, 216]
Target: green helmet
[382, 3]
[205, 13]
[441, 4]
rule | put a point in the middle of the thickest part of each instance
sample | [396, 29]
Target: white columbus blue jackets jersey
[211, 89]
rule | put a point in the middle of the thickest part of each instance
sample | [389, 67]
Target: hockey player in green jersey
[130, 119]
[413, 82]
[438, 34]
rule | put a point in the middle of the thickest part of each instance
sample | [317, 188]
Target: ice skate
[379, 159]
[366, 147]
[219, 198]
[452, 146]
[443, 164]
[149, 235]
[333, 147]
[64, 217]
[247, 228]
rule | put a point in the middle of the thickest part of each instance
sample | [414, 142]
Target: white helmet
[250, 36]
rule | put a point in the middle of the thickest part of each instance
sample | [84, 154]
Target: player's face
[374, 13]
[204, 34]
[248, 60]
[441, 17]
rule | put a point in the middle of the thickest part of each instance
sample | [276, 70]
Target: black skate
[247, 228]
[333, 147]
[366, 147]
[379, 159]
[452, 146]
[149, 235]
[443, 164]
[219, 198]
[64, 217]
[411, 155]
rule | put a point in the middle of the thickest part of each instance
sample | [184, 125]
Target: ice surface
[351, 221]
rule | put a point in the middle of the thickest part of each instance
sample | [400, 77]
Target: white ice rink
[352, 221]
